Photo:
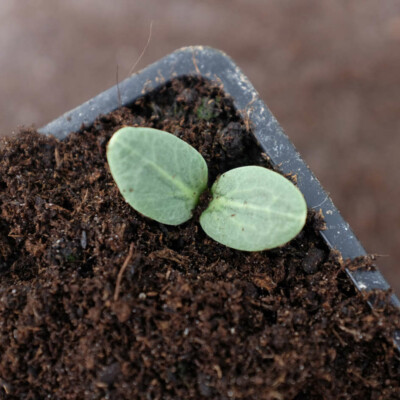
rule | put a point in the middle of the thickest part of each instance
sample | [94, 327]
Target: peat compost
[98, 302]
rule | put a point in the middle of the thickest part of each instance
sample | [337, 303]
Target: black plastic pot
[216, 66]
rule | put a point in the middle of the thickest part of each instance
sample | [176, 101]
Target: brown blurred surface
[329, 71]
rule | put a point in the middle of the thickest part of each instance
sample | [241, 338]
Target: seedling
[162, 177]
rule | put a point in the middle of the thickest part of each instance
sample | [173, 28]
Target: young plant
[162, 177]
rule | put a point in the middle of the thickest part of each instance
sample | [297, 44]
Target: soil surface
[98, 302]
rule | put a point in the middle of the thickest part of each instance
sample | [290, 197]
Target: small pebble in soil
[312, 260]
[231, 139]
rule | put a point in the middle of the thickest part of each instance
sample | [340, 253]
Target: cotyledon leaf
[158, 174]
[254, 209]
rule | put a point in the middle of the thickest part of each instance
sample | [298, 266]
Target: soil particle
[191, 319]
[312, 260]
[231, 139]
[108, 375]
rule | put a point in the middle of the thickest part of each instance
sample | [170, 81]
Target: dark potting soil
[98, 302]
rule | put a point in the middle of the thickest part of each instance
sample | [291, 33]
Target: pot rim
[214, 65]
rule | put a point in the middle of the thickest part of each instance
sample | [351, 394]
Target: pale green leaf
[157, 173]
[254, 209]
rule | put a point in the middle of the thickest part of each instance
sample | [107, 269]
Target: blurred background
[328, 70]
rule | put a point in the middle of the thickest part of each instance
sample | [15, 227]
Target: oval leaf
[254, 209]
[157, 173]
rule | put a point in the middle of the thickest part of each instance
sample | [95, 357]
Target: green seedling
[162, 177]
[207, 110]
